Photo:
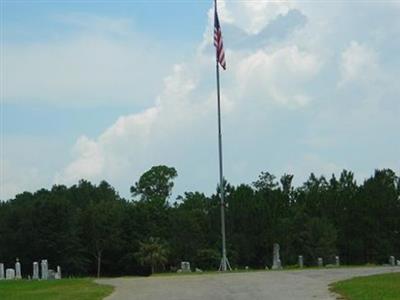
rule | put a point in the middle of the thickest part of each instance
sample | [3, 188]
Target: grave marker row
[16, 273]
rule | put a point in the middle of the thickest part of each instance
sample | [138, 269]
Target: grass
[376, 287]
[285, 268]
[65, 289]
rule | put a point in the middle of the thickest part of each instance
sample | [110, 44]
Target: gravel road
[274, 285]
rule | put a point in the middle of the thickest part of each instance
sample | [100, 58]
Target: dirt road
[273, 285]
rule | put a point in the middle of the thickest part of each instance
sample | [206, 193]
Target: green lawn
[285, 268]
[377, 287]
[65, 289]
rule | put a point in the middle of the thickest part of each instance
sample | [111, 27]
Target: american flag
[219, 45]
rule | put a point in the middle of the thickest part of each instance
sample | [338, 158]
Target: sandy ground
[274, 285]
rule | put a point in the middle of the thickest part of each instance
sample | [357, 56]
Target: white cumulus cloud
[292, 104]
[277, 76]
[253, 16]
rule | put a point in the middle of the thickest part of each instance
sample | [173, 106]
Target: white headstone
[35, 274]
[58, 274]
[276, 261]
[18, 274]
[398, 263]
[1, 271]
[337, 261]
[301, 262]
[45, 269]
[320, 262]
[185, 266]
[392, 261]
[10, 274]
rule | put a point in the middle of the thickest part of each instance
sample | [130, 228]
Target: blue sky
[106, 89]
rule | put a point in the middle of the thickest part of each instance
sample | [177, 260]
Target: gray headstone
[398, 263]
[45, 269]
[58, 273]
[199, 270]
[185, 266]
[301, 261]
[35, 274]
[392, 261]
[18, 274]
[1, 271]
[10, 274]
[51, 274]
[320, 262]
[337, 261]
[276, 261]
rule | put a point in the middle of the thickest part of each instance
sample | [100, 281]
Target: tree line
[89, 229]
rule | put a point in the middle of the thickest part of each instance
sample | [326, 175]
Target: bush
[207, 259]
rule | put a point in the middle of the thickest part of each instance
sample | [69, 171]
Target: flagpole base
[224, 265]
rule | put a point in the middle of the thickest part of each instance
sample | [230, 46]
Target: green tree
[155, 184]
[207, 259]
[189, 223]
[266, 181]
[152, 253]
[89, 229]
[101, 223]
[379, 202]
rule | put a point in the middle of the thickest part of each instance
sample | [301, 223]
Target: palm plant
[152, 253]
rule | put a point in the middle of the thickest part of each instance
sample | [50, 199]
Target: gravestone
[398, 263]
[1, 271]
[58, 274]
[300, 261]
[35, 274]
[337, 261]
[185, 266]
[392, 261]
[276, 261]
[45, 269]
[51, 274]
[10, 274]
[320, 262]
[18, 269]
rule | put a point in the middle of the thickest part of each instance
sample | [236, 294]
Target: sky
[104, 90]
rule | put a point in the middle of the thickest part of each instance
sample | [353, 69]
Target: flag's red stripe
[219, 46]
